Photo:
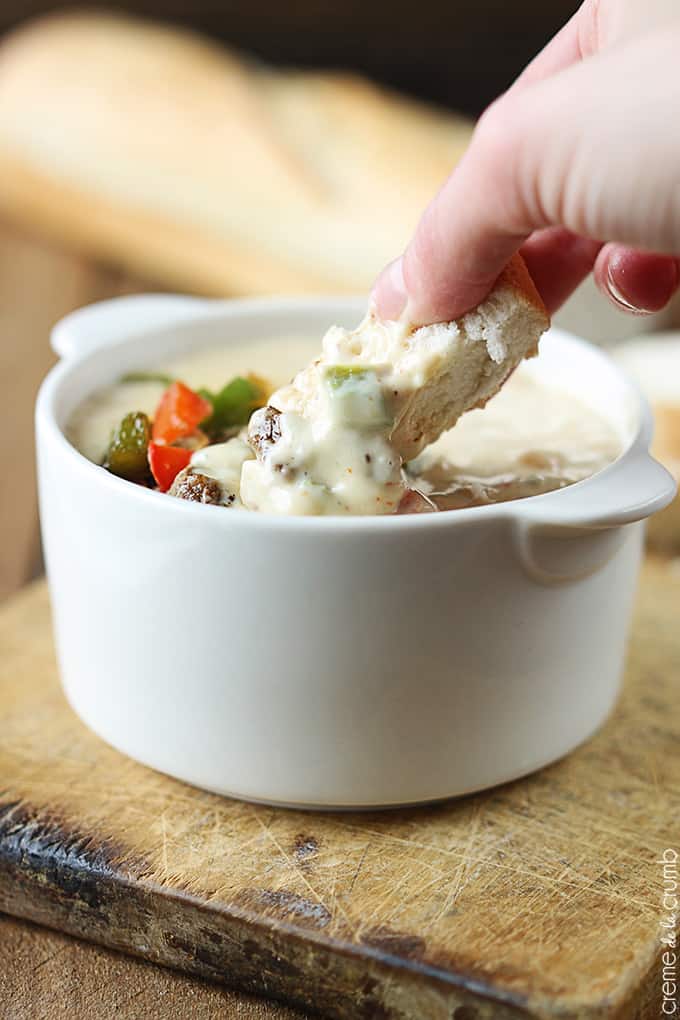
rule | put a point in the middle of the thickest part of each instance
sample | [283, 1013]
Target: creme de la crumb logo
[670, 903]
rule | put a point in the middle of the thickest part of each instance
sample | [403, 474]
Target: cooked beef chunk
[196, 487]
[267, 429]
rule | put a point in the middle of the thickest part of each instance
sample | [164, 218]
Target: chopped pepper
[356, 396]
[234, 404]
[338, 375]
[179, 413]
[157, 377]
[127, 452]
[166, 462]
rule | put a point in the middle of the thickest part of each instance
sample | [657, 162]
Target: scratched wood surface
[540, 898]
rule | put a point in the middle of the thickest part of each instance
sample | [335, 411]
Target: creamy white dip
[530, 438]
[277, 359]
[347, 422]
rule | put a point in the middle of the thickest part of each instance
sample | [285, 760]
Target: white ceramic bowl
[333, 661]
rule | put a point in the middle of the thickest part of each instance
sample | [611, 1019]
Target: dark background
[461, 53]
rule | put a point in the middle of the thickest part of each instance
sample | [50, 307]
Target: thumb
[465, 236]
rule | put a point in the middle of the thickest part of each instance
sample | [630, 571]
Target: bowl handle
[568, 534]
[105, 322]
[629, 490]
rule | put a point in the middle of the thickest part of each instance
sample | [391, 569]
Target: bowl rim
[210, 309]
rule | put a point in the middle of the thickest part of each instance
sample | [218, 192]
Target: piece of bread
[181, 160]
[437, 372]
[654, 362]
[483, 348]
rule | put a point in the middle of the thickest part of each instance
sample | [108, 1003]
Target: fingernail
[619, 298]
[389, 293]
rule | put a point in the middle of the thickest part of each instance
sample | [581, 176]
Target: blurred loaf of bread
[185, 162]
[654, 363]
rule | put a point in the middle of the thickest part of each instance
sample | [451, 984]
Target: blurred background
[133, 158]
[460, 53]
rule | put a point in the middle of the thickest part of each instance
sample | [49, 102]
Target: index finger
[463, 240]
[455, 275]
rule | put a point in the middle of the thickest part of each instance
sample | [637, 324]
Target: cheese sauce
[529, 439]
[278, 358]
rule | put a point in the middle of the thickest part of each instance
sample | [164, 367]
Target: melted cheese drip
[530, 438]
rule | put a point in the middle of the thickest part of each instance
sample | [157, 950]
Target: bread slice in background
[654, 363]
[183, 161]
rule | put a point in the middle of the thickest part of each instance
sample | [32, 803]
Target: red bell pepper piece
[179, 413]
[166, 462]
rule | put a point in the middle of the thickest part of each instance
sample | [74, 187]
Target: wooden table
[45, 975]
[539, 899]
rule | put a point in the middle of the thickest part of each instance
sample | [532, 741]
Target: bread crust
[437, 406]
[517, 276]
[148, 245]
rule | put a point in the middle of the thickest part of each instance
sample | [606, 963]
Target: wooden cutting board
[542, 898]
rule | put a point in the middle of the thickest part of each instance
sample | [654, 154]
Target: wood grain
[537, 899]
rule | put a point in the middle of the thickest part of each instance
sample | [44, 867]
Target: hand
[583, 149]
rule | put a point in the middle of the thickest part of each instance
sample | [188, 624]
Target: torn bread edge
[437, 372]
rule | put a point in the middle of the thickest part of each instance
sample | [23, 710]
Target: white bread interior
[483, 349]
[436, 372]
